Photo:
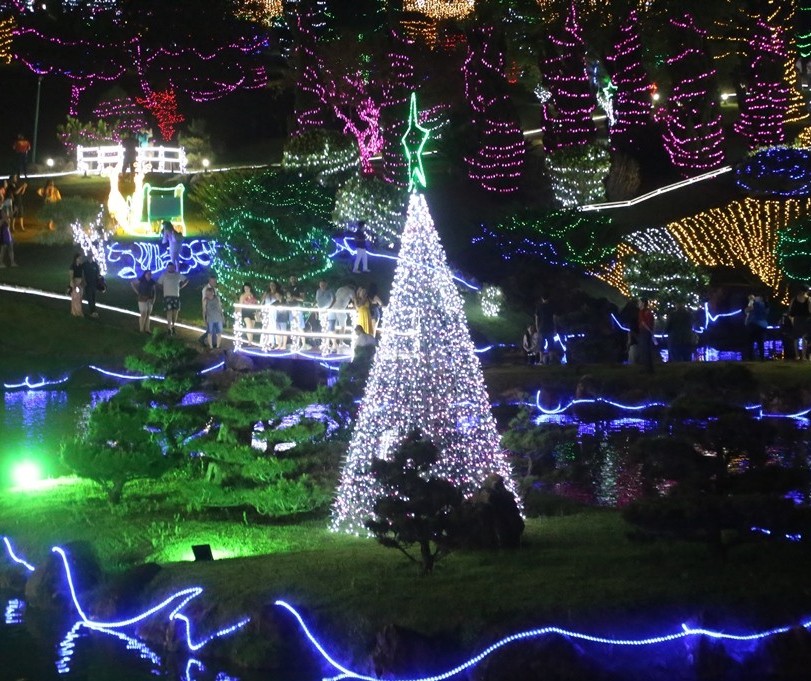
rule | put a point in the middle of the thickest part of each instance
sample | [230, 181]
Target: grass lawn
[572, 570]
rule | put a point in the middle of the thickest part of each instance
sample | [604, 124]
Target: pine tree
[693, 133]
[566, 114]
[764, 106]
[425, 376]
[498, 161]
[632, 99]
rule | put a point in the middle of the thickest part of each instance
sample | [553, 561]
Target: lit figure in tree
[425, 374]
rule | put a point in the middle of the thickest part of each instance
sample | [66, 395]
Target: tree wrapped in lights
[693, 134]
[274, 224]
[563, 238]
[794, 249]
[665, 278]
[425, 376]
[783, 14]
[161, 46]
[740, 234]
[566, 111]
[632, 99]
[377, 203]
[440, 9]
[325, 152]
[578, 174]
[6, 37]
[765, 103]
[163, 106]
[497, 163]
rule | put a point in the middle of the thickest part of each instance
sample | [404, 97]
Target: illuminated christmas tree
[566, 112]
[764, 107]
[693, 134]
[632, 99]
[498, 161]
[425, 375]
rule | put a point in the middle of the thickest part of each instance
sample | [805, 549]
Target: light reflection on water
[89, 654]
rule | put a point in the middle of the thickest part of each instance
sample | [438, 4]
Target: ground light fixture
[49, 162]
[26, 474]
[206, 164]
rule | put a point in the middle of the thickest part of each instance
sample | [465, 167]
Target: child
[52, 196]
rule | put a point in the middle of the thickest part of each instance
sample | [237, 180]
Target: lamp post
[36, 121]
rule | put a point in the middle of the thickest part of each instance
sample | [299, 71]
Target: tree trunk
[427, 557]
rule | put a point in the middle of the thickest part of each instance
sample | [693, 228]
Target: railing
[268, 333]
[157, 159]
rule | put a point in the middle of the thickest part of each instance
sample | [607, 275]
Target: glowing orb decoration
[492, 297]
[440, 9]
[26, 474]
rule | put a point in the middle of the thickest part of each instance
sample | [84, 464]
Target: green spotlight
[26, 474]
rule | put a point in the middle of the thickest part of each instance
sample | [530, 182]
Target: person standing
[130, 156]
[546, 323]
[646, 337]
[21, 148]
[92, 274]
[145, 290]
[343, 298]
[295, 297]
[248, 316]
[680, 334]
[214, 318]
[6, 242]
[324, 300]
[212, 285]
[171, 281]
[530, 344]
[799, 313]
[51, 196]
[76, 285]
[361, 256]
[173, 240]
[17, 189]
[363, 307]
[756, 322]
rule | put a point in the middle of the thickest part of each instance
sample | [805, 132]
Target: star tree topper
[416, 173]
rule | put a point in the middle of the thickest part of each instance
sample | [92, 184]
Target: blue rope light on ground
[28, 384]
[181, 598]
[15, 557]
[686, 631]
[342, 246]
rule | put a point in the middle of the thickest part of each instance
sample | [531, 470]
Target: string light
[263, 12]
[29, 384]
[779, 171]
[793, 250]
[632, 99]
[377, 203]
[6, 37]
[684, 632]
[137, 256]
[741, 234]
[492, 298]
[566, 117]
[693, 134]
[577, 174]
[425, 375]
[784, 15]
[14, 557]
[400, 82]
[92, 239]
[497, 163]
[419, 30]
[764, 106]
[163, 106]
[321, 151]
[440, 9]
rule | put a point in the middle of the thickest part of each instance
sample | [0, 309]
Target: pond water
[36, 646]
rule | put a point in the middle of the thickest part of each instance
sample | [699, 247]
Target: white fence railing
[157, 159]
[285, 328]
